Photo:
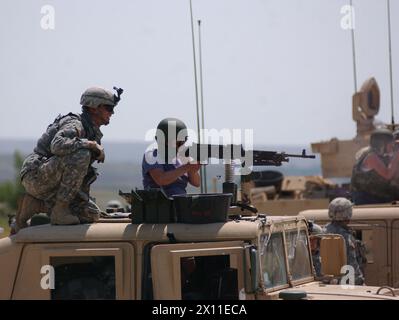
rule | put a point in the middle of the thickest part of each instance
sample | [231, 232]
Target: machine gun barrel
[272, 158]
[203, 152]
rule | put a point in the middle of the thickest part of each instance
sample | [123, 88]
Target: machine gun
[272, 158]
[203, 152]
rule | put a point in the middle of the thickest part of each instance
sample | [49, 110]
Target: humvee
[254, 258]
[378, 227]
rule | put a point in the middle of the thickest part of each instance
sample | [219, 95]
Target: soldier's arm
[387, 172]
[68, 139]
[163, 178]
[193, 175]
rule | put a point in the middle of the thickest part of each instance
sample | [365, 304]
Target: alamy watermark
[348, 18]
[47, 21]
[47, 281]
[348, 278]
[217, 146]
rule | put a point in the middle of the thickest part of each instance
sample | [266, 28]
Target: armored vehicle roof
[366, 212]
[126, 231]
[319, 291]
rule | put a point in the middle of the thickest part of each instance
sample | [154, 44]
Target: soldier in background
[58, 174]
[114, 206]
[340, 212]
[314, 231]
[374, 169]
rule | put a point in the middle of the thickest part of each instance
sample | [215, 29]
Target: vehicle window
[298, 254]
[81, 278]
[274, 269]
[208, 277]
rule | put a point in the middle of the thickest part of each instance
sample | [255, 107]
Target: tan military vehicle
[378, 227]
[297, 193]
[247, 258]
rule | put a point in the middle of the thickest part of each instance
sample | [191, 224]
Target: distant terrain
[122, 168]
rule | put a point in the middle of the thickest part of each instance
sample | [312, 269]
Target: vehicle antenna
[202, 100]
[353, 44]
[196, 86]
[390, 63]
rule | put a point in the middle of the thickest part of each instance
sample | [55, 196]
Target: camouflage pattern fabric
[361, 255]
[60, 165]
[59, 176]
[351, 253]
[317, 263]
[340, 209]
[314, 230]
[86, 209]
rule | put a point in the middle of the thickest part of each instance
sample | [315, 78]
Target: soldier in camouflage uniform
[314, 234]
[58, 174]
[340, 212]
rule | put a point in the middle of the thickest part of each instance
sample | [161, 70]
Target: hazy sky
[280, 67]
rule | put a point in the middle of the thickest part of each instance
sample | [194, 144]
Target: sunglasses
[109, 108]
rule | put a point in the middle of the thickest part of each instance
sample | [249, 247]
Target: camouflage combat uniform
[314, 231]
[351, 248]
[59, 172]
[317, 262]
[60, 166]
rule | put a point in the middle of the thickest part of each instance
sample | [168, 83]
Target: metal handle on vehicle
[388, 288]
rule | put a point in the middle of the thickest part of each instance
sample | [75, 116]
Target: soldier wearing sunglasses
[58, 174]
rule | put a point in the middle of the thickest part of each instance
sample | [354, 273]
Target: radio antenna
[353, 44]
[390, 63]
[196, 90]
[202, 98]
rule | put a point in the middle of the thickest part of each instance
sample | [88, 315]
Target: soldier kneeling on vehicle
[58, 174]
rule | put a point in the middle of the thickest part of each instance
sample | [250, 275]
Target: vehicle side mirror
[251, 264]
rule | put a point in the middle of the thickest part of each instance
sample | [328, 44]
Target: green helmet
[340, 209]
[95, 96]
[380, 137]
[171, 129]
[114, 206]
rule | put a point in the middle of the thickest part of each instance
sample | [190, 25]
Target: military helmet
[95, 96]
[171, 129]
[114, 206]
[340, 209]
[380, 137]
